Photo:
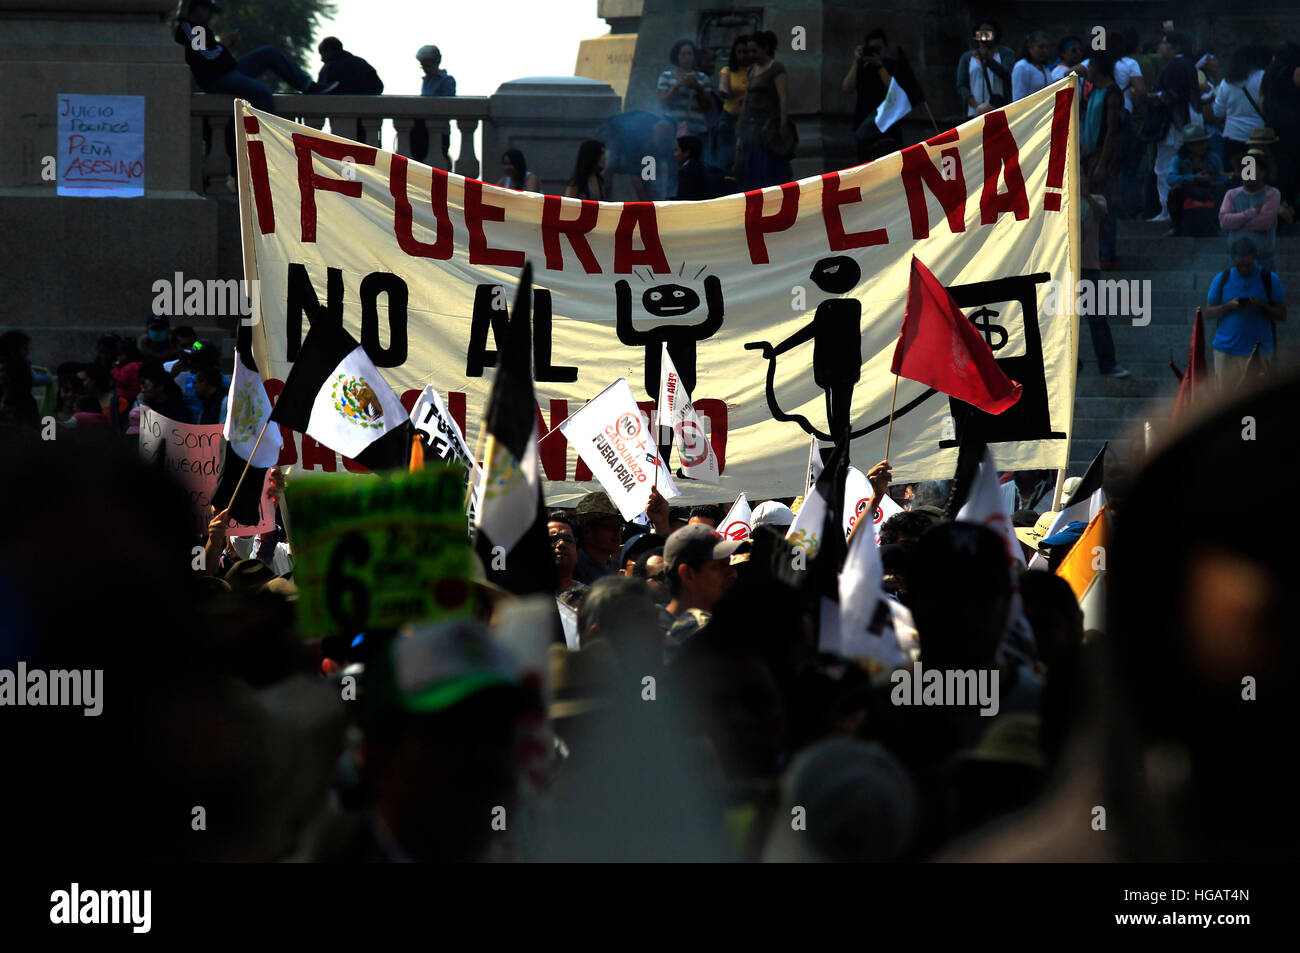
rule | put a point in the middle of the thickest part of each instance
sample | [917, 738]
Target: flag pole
[1060, 488]
[889, 435]
[483, 435]
[249, 462]
[926, 104]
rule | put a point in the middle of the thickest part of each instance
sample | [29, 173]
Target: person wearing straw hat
[1196, 185]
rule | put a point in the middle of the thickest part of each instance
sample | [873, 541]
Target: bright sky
[484, 43]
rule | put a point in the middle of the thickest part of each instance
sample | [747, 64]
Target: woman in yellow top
[731, 85]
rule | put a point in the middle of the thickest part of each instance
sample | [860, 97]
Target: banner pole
[485, 436]
[933, 121]
[889, 436]
[249, 462]
[1060, 487]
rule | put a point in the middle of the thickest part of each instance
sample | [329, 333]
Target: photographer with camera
[984, 73]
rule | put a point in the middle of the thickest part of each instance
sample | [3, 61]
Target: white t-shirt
[1232, 106]
[1026, 78]
[1126, 69]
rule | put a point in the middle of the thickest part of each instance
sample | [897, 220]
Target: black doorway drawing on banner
[1030, 417]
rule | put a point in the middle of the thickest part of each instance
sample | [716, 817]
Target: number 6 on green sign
[350, 613]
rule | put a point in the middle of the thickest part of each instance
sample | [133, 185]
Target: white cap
[772, 513]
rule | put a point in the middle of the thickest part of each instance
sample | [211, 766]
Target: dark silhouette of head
[836, 275]
[669, 301]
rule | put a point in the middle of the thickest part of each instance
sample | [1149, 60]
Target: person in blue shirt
[1197, 175]
[1245, 301]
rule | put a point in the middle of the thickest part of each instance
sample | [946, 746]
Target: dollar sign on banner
[983, 323]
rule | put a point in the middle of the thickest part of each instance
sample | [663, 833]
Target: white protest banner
[191, 455]
[442, 439]
[887, 509]
[676, 414]
[101, 145]
[776, 305]
[857, 498]
[739, 521]
[615, 439]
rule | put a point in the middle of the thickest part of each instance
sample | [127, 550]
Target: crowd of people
[669, 695]
[670, 700]
[170, 370]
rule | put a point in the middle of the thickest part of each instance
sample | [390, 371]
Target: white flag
[438, 431]
[739, 522]
[986, 506]
[893, 107]
[814, 467]
[857, 498]
[505, 495]
[806, 530]
[610, 435]
[248, 409]
[676, 413]
[866, 622]
[887, 509]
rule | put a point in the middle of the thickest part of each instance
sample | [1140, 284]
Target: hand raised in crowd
[217, 525]
[879, 478]
[657, 509]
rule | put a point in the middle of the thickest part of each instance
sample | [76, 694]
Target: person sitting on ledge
[216, 70]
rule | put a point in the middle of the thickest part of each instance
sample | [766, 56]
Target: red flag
[1196, 378]
[938, 346]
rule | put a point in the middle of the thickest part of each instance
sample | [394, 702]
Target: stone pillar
[75, 267]
[609, 58]
[546, 118]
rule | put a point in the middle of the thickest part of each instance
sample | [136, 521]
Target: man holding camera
[1246, 300]
[869, 77]
[984, 73]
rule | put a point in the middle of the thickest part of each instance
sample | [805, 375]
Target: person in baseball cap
[441, 708]
[698, 560]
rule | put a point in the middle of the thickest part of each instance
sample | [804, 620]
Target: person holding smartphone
[984, 73]
[1245, 300]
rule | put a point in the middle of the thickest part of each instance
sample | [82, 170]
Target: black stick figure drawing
[836, 333]
[668, 301]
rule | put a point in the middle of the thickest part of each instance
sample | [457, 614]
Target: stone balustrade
[354, 117]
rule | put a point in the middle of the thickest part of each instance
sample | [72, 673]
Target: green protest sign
[374, 552]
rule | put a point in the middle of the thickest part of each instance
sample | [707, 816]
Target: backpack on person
[1266, 279]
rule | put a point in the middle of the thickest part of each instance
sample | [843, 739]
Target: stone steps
[1179, 271]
